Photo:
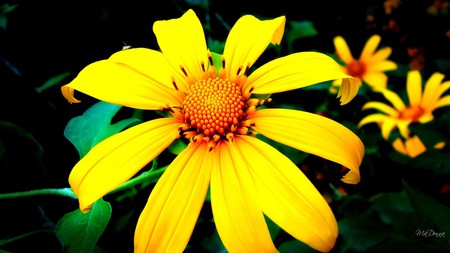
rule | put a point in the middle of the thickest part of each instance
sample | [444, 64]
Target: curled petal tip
[352, 177]
[348, 89]
[68, 94]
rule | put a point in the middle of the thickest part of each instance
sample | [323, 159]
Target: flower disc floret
[213, 106]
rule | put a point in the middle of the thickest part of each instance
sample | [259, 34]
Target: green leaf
[395, 218]
[274, 229]
[4, 9]
[295, 246]
[18, 146]
[177, 146]
[394, 208]
[52, 81]
[299, 29]
[432, 215]
[79, 232]
[3, 21]
[94, 126]
[216, 46]
[362, 231]
[217, 60]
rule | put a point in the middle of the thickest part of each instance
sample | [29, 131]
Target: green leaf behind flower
[94, 125]
[392, 222]
[79, 232]
[52, 81]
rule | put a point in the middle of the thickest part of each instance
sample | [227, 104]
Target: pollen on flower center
[356, 69]
[215, 109]
[214, 106]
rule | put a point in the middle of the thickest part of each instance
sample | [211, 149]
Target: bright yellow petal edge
[300, 70]
[313, 134]
[287, 196]
[172, 210]
[348, 89]
[68, 94]
[234, 199]
[116, 159]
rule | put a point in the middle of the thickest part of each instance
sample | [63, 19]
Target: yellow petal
[147, 62]
[428, 115]
[68, 93]
[381, 66]
[387, 126]
[414, 146]
[439, 145]
[395, 100]
[441, 90]
[437, 101]
[376, 80]
[348, 89]
[169, 217]
[445, 101]
[120, 84]
[373, 118]
[403, 127]
[295, 71]
[237, 215]
[313, 134]
[399, 146]
[287, 196]
[381, 107]
[342, 50]
[431, 88]
[247, 40]
[414, 87]
[381, 55]
[116, 159]
[183, 43]
[386, 123]
[370, 47]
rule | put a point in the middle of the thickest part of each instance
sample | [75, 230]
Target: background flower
[371, 64]
[420, 108]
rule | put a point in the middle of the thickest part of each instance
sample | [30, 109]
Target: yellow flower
[420, 108]
[371, 64]
[216, 112]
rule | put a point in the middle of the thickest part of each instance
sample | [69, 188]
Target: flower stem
[66, 192]
[146, 177]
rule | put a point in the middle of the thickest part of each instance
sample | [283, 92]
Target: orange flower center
[356, 69]
[412, 112]
[214, 106]
[215, 109]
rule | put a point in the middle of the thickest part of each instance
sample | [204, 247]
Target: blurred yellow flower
[420, 108]
[216, 112]
[370, 66]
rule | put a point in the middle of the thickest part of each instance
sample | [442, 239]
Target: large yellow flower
[370, 66]
[420, 108]
[216, 112]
